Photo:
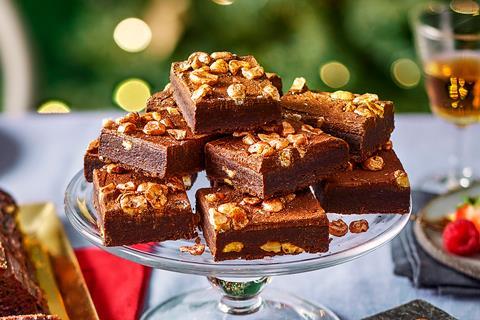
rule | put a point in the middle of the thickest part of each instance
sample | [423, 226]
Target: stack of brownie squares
[262, 153]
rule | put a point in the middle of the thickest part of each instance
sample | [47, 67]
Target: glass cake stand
[237, 285]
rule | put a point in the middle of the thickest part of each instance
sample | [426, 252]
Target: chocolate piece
[364, 191]
[222, 92]
[92, 161]
[137, 209]
[278, 159]
[159, 142]
[19, 290]
[240, 226]
[31, 317]
[416, 309]
[362, 120]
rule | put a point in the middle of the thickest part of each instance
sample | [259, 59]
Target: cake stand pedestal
[237, 290]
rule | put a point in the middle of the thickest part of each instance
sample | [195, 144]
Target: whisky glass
[448, 43]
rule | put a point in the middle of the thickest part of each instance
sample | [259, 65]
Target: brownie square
[364, 121]
[223, 92]
[19, 290]
[159, 142]
[241, 226]
[385, 189]
[275, 160]
[138, 209]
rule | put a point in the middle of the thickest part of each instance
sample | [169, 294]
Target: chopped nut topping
[129, 117]
[107, 190]
[213, 197]
[250, 201]
[156, 195]
[235, 65]
[187, 181]
[237, 92]
[154, 128]
[127, 128]
[342, 95]
[270, 91]
[132, 203]
[366, 105]
[167, 123]
[219, 66]
[177, 133]
[233, 247]
[230, 173]
[285, 157]
[201, 92]
[401, 178]
[196, 250]
[350, 166]
[175, 184]
[290, 248]
[127, 145]
[388, 145]
[358, 226]
[198, 59]
[268, 137]
[228, 208]
[272, 205]
[261, 148]
[338, 228]
[374, 163]
[218, 220]
[297, 139]
[272, 246]
[114, 168]
[308, 128]
[239, 219]
[128, 186]
[108, 123]
[279, 144]
[149, 116]
[253, 73]
[183, 66]
[200, 76]
[238, 134]
[228, 181]
[167, 87]
[287, 128]
[288, 198]
[224, 55]
[366, 97]
[248, 139]
[173, 111]
[299, 85]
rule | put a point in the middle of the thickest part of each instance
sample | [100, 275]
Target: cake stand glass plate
[236, 284]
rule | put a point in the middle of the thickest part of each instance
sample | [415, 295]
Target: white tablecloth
[47, 151]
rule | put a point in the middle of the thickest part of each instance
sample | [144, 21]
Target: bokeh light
[406, 73]
[132, 35]
[465, 6]
[53, 106]
[334, 74]
[224, 2]
[132, 94]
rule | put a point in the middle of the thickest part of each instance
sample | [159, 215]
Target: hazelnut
[239, 219]
[309, 129]
[218, 220]
[272, 205]
[228, 208]
[167, 123]
[364, 111]
[224, 55]
[287, 128]
[129, 117]
[108, 123]
[127, 145]
[251, 201]
[366, 97]
[272, 246]
[374, 163]
[127, 128]
[279, 144]
[156, 195]
[167, 87]
[127, 186]
[401, 178]
[261, 148]
[228, 181]
[149, 116]
[248, 139]
[132, 203]
[200, 76]
[154, 128]
[290, 248]
[253, 73]
[183, 66]
[107, 190]
[196, 250]
[219, 67]
[268, 137]
[173, 111]
[213, 197]
[230, 173]
[270, 91]
[342, 95]
[297, 139]
[114, 168]
[237, 92]
[233, 247]
[358, 226]
[175, 184]
[187, 181]
[198, 59]
[285, 157]
[177, 133]
[299, 85]
[388, 145]
[235, 65]
[201, 92]
[288, 198]
[238, 134]
[337, 228]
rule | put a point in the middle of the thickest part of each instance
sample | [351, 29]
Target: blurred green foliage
[77, 60]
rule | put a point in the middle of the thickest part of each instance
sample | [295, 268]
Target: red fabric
[117, 286]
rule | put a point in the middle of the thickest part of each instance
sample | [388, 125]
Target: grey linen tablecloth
[39, 155]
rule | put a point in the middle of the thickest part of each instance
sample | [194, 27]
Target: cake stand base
[204, 304]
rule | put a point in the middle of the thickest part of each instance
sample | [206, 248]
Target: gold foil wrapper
[58, 271]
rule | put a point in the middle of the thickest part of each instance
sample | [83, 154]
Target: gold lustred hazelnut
[248, 139]
[224, 55]
[290, 248]
[268, 137]
[253, 73]
[154, 128]
[270, 91]
[287, 128]
[299, 85]
[230, 173]
[272, 205]
[342, 95]
[107, 190]
[228, 181]
[108, 123]
[237, 92]
[173, 111]
[239, 219]
[297, 139]
[201, 92]
[183, 66]
[272, 246]
[227, 208]
[235, 246]
[285, 157]
[366, 97]
[177, 133]
[200, 76]
[127, 145]
[401, 178]
[132, 203]
[374, 163]
[358, 226]
[261, 148]
[127, 128]
[279, 144]
[309, 129]
[199, 59]
[167, 123]
[187, 181]
[127, 186]
[337, 228]
[251, 201]
[218, 220]
[156, 195]
[235, 65]
[213, 197]
[219, 67]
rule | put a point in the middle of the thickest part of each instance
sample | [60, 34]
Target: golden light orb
[132, 94]
[334, 74]
[406, 73]
[132, 35]
[53, 107]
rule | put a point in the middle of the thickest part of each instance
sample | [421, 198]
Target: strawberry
[461, 237]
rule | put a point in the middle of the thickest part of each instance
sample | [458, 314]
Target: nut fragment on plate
[401, 178]
[374, 163]
[196, 250]
[358, 226]
[299, 85]
[337, 228]
[237, 92]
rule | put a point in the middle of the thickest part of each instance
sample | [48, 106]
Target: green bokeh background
[77, 60]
